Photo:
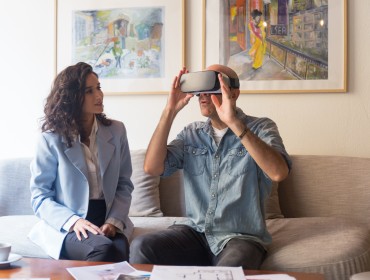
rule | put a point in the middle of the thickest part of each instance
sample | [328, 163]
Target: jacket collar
[103, 140]
[105, 151]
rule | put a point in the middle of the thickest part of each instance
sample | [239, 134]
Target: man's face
[207, 108]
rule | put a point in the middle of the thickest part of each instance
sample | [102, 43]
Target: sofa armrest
[15, 194]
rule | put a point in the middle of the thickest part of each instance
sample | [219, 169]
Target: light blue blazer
[59, 185]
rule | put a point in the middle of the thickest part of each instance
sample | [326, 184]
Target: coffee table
[56, 269]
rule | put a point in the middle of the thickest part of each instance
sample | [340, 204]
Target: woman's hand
[82, 226]
[109, 230]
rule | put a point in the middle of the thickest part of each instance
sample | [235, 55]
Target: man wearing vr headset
[229, 162]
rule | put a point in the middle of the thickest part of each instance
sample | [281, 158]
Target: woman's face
[257, 19]
[93, 103]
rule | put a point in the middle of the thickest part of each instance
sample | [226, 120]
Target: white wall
[320, 123]
[26, 71]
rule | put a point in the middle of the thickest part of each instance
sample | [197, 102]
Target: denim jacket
[225, 190]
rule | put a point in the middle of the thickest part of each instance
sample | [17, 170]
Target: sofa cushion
[336, 247]
[327, 186]
[14, 229]
[145, 197]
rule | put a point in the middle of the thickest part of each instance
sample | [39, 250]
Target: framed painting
[136, 47]
[279, 46]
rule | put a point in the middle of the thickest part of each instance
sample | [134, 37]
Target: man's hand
[82, 226]
[177, 99]
[109, 230]
[267, 158]
[226, 109]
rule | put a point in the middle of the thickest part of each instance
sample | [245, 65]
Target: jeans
[182, 245]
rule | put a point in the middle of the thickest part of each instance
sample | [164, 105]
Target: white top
[91, 157]
[218, 134]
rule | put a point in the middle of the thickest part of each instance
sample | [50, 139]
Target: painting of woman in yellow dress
[257, 39]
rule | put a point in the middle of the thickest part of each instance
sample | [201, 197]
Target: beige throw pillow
[145, 197]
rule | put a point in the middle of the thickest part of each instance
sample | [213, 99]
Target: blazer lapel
[105, 149]
[76, 155]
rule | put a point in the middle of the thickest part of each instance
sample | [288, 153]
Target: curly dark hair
[256, 13]
[63, 108]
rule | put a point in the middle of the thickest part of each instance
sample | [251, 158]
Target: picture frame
[305, 44]
[135, 47]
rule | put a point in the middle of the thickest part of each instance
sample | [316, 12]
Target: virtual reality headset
[205, 81]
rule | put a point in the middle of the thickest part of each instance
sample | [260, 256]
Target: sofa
[319, 217]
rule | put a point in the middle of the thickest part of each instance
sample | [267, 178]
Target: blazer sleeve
[43, 186]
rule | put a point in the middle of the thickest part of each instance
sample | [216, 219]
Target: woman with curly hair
[257, 39]
[80, 176]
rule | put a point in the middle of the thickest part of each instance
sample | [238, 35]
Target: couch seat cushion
[336, 247]
[14, 229]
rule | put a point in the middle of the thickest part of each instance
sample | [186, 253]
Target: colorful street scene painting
[275, 39]
[120, 43]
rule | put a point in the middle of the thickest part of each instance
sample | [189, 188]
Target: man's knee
[239, 252]
[139, 249]
[138, 242]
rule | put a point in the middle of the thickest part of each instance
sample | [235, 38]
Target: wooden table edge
[56, 269]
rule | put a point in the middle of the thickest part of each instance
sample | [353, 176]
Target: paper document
[121, 271]
[196, 273]
[270, 277]
[132, 277]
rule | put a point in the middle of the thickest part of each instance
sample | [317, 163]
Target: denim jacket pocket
[194, 160]
[238, 161]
